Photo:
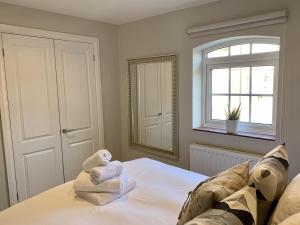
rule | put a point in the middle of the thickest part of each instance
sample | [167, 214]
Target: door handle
[65, 131]
[159, 114]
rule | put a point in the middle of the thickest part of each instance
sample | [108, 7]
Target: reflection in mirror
[152, 99]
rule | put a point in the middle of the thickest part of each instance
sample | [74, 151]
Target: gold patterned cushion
[289, 202]
[238, 209]
[208, 193]
[269, 177]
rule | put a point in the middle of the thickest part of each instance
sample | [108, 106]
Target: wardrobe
[52, 99]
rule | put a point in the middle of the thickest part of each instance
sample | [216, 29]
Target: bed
[157, 199]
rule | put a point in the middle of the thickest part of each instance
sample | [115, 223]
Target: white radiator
[210, 161]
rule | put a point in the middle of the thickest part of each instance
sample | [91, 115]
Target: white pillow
[289, 203]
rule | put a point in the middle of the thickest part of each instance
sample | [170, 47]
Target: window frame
[244, 60]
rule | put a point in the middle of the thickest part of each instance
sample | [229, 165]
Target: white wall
[166, 34]
[109, 67]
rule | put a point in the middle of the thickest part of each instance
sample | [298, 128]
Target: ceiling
[109, 11]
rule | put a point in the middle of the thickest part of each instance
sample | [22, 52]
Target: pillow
[213, 190]
[238, 209]
[292, 220]
[289, 203]
[269, 177]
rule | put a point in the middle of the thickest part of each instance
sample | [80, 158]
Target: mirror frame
[157, 151]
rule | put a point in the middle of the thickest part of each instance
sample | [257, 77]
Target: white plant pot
[232, 126]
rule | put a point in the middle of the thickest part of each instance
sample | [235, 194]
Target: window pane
[220, 81]
[240, 80]
[262, 79]
[261, 109]
[244, 100]
[260, 48]
[219, 53]
[218, 106]
[240, 49]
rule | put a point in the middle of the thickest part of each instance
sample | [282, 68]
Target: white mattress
[157, 199]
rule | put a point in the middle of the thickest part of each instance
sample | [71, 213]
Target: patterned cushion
[208, 193]
[289, 202]
[292, 220]
[237, 209]
[269, 177]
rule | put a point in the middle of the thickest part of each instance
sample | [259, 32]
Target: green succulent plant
[233, 114]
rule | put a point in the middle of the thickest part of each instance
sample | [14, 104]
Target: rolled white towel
[100, 158]
[103, 173]
[105, 198]
[83, 183]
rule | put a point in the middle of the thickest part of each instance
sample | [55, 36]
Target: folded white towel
[100, 158]
[102, 173]
[83, 183]
[105, 198]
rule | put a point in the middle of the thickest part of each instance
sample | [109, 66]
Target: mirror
[152, 104]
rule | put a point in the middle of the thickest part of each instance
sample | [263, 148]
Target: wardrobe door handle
[65, 131]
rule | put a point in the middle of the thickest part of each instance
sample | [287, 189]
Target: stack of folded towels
[101, 180]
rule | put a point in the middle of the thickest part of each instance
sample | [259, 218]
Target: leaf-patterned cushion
[289, 203]
[269, 177]
[292, 220]
[208, 193]
[238, 209]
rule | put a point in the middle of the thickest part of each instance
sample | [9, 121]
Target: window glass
[262, 84]
[240, 49]
[240, 80]
[261, 110]
[218, 106]
[262, 79]
[261, 48]
[244, 49]
[244, 100]
[219, 53]
[220, 81]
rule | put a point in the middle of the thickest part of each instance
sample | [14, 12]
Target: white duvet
[157, 199]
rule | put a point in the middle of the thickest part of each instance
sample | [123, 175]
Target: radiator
[210, 161]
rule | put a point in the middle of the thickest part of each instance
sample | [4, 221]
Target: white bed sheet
[157, 199]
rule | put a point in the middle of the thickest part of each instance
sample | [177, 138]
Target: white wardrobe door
[34, 114]
[78, 103]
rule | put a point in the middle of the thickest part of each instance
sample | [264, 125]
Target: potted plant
[233, 117]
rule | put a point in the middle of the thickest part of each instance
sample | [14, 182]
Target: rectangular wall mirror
[153, 104]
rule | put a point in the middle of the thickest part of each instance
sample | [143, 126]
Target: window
[241, 71]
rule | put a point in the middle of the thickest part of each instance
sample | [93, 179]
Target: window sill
[240, 134]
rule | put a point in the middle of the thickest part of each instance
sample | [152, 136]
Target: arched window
[237, 71]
